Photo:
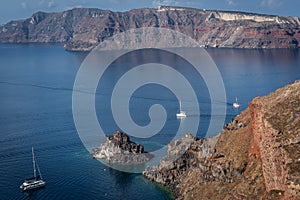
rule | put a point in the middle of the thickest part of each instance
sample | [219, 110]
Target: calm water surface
[36, 110]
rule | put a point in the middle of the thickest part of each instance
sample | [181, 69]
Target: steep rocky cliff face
[82, 29]
[257, 155]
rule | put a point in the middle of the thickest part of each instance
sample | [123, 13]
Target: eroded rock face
[119, 149]
[257, 155]
[276, 124]
[81, 29]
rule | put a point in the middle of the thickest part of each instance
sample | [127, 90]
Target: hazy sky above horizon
[21, 9]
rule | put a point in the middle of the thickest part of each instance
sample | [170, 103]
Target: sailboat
[181, 113]
[36, 181]
[236, 104]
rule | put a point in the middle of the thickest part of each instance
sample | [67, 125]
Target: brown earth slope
[81, 29]
[257, 155]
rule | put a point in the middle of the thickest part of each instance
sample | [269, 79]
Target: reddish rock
[257, 155]
[81, 29]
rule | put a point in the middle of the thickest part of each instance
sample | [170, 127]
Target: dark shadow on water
[33, 192]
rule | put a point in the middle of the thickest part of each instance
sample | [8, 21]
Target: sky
[21, 9]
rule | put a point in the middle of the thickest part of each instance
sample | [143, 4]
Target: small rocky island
[118, 149]
[256, 156]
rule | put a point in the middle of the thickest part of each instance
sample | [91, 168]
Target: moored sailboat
[36, 181]
[181, 113]
[236, 104]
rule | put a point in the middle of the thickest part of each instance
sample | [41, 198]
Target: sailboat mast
[37, 166]
[180, 106]
[33, 162]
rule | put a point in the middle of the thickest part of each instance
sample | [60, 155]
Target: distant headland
[81, 29]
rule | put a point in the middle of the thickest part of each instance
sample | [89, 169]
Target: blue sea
[36, 86]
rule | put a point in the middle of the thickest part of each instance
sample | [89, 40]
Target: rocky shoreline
[169, 171]
[256, 156]
[118, 149]
[81, 29]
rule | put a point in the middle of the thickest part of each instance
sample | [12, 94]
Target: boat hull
[181, 115]
[236, 105]
[32, 185]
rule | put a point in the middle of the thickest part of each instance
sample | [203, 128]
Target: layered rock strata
[81, 29]
[256, 156]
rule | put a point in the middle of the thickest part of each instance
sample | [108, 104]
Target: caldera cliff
[81, 29]
[256, 156]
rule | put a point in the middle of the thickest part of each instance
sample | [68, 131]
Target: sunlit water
[36, 84]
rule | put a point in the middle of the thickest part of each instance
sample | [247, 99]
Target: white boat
[236, 104]
[36, 181]
[181, 113]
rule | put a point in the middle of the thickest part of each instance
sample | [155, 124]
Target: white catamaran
[181, 113]
[36, 181]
